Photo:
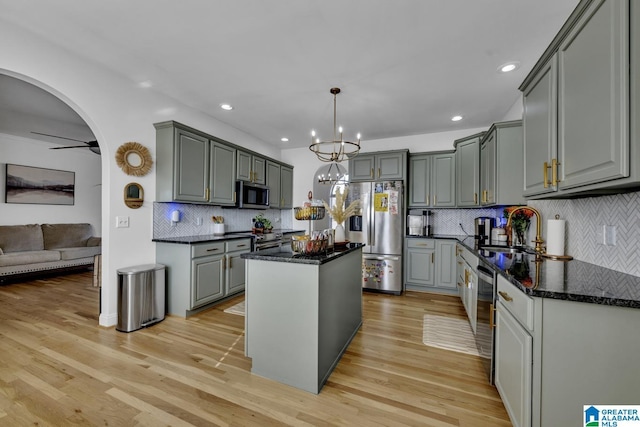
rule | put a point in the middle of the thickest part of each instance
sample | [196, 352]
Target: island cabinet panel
[300, 318]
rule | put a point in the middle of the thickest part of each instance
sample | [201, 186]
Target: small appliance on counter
[483, 227]
[419, 222]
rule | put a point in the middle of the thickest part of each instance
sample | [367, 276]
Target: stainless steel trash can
[141, 296]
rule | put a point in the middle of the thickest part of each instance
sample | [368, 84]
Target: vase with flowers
[519, 270]
[340, 214]
[520, 223]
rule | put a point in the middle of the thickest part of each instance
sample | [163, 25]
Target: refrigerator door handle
[382, 258]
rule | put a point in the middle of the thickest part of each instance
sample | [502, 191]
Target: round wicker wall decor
[134, 159]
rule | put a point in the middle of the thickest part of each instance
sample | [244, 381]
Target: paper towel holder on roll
[557, 257]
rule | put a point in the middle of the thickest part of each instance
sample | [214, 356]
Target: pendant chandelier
[335, 150]
[331, 173]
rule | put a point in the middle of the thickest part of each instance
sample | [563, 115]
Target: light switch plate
[122, 222]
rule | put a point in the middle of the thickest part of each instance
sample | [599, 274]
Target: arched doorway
[29, 109]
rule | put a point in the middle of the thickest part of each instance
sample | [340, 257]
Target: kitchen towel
[555, 236]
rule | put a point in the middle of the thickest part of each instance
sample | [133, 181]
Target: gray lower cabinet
[551, 356]
[432, 180]
[579, 135]
[202, 273]
[430, 265]
[468, 170]
[501, 179]
[379, 166]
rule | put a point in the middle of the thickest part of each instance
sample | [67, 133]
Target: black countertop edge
[573, 280]
[233, 235]
[285, 255]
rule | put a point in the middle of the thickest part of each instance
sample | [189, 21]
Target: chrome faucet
[538, 241]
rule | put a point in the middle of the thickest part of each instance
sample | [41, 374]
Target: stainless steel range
[267, 241]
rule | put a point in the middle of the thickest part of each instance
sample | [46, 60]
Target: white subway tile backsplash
[234, 219]
[585, 218]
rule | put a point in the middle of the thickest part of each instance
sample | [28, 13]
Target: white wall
[88, 189]
[117, 111]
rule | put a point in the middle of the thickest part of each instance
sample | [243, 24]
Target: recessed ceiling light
[226, 107]
[145, 84]
[456, 118]
[509, 66]
[284, 139]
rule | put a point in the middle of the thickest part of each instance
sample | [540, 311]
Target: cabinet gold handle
[212, 249]
[422, 245]
[371, 173]
[224, 262]
[428, 198]
[554, 172]
[435, 199]
[545, 175]
[505, 296]
[475, 198]
[206, 194]
[234, 197]
[492, 323]
[379, 174]
[433, 257]
[241, 246]
[229, 262]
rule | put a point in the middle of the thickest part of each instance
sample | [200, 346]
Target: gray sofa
[38, 248]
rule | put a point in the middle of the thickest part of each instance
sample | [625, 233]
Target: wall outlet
[122, 222]
[199, 220]
[610, 235]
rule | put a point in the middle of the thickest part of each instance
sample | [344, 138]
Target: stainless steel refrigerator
[380, 226]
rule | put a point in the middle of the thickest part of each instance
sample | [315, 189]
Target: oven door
[485, 315]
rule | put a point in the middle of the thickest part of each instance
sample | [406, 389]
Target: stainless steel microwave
[250, 195]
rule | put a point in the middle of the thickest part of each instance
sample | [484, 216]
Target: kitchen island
[301, 313]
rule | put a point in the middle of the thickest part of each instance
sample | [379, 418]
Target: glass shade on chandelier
[331, 173]
[338, 149]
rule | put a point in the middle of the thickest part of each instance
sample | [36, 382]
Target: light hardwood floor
[59, 368]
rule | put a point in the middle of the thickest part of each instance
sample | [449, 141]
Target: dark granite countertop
[234, 235]
[566, 280]
[286, 255]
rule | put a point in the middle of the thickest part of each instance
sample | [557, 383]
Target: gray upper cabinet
[280, 183]
[501, 180]
[432, 180]
[223, 184]
[579, 136]
[540, 125]
[274, 183]
[182, 164]
[194, 167]
[251, 168]
[361, 168]
[468, 170]
[380, 166]
[286, 187]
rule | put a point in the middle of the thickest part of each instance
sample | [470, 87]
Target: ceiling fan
[91, 145]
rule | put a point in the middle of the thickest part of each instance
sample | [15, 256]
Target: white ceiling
[405, 67]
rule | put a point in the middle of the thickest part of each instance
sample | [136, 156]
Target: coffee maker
[483, 227]
[419, 222]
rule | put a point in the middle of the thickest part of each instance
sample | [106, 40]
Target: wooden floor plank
[60, 368]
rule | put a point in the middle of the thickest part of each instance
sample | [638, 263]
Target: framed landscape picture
[31, 185]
